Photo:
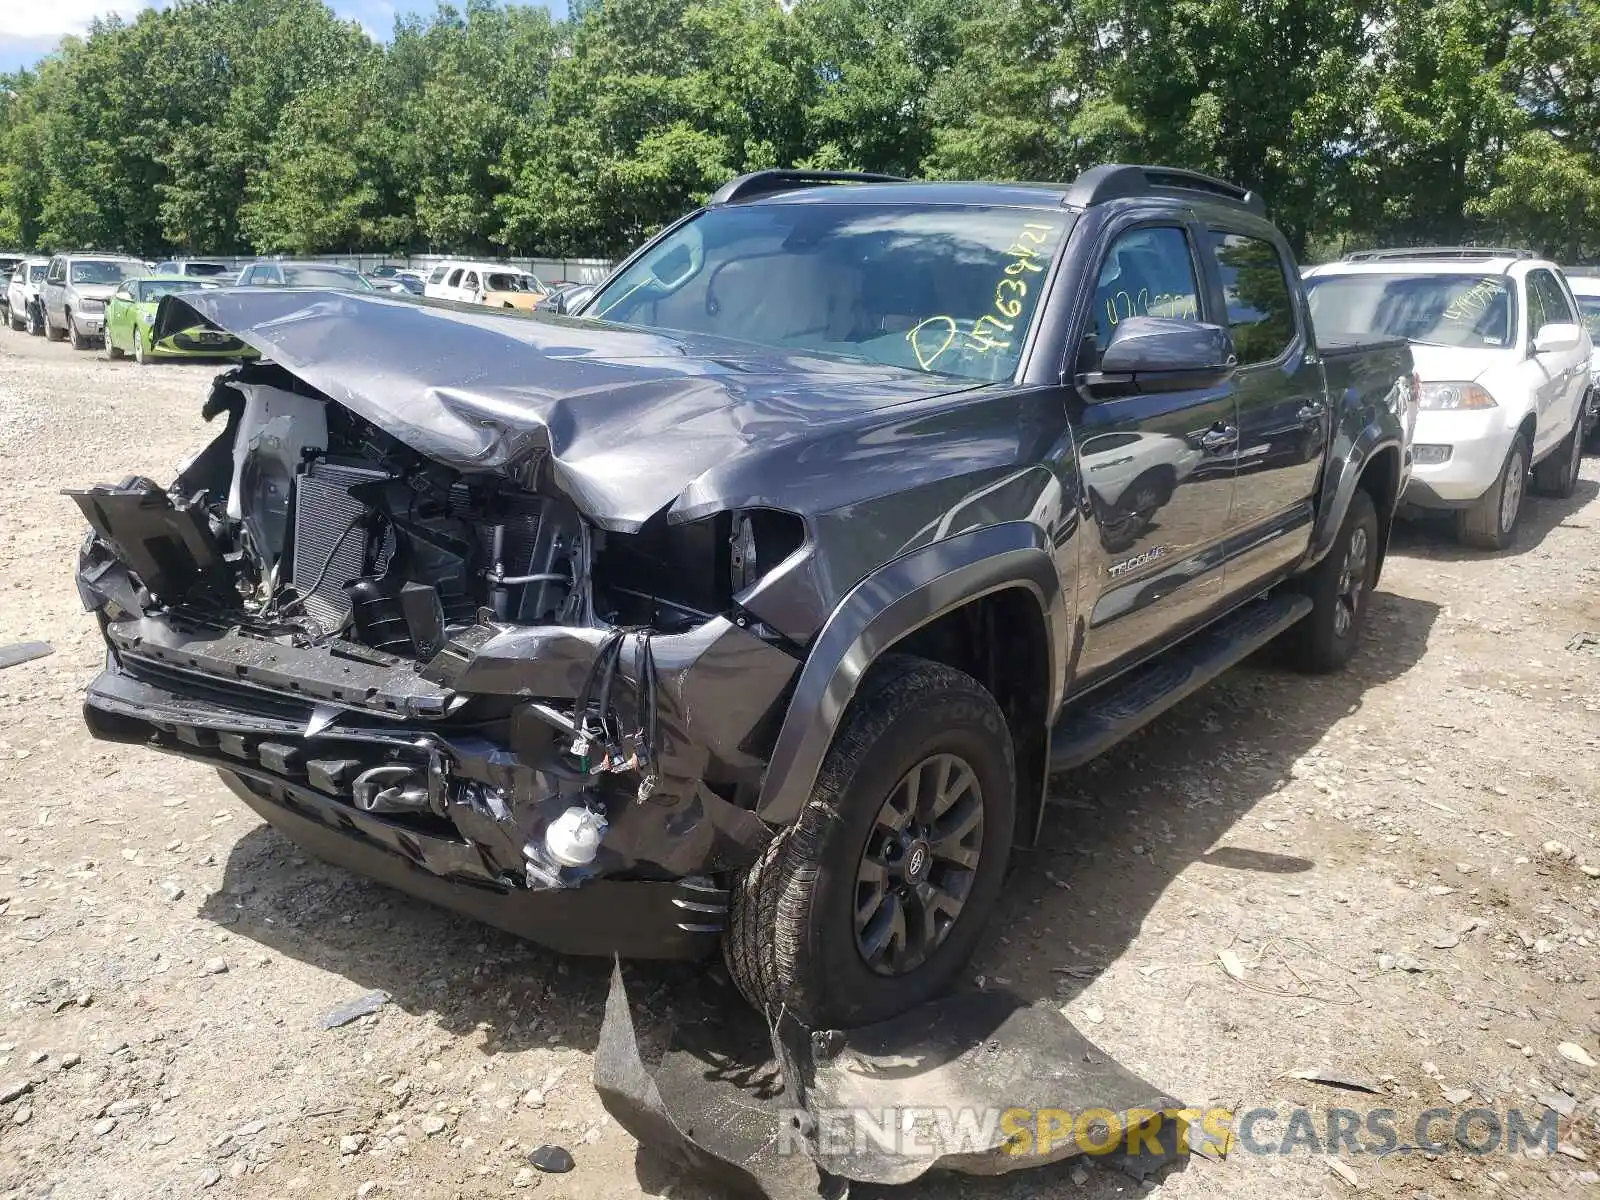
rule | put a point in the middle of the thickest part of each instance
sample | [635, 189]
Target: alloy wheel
[919, 864]
[1511, 493]
[1352, 582]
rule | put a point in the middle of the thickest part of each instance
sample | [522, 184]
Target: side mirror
[1553, 339]
[1163, 354]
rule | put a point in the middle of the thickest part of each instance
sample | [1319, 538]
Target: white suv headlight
[1452, 397]
[88, 304]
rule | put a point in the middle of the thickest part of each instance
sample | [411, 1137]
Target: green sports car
[131, 312]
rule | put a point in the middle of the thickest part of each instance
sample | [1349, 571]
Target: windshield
[205, 268]
[36, 272]
[940, 288]
[328, 277]
[153, 289]
[1467, 311]
[1589, 310]
[101, 271]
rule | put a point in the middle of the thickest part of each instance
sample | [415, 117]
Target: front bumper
[1479, 441]
[90, 324]
[291, 781]
[199, 342]
[478, 742]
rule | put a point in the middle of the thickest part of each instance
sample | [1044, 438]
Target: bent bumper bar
[636, 919]
[265, 756]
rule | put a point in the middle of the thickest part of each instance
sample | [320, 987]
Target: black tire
[1557, 475]
[794, 941]
[51, 333]
[79, 342]
[18, 324]
[140, 354]
[35, 322]
[1340, 587]
[1488, 525]
[113, 352]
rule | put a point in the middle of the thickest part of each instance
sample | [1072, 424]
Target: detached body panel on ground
[838, 499]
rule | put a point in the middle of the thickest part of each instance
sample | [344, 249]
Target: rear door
[1157, 468]
[1283, 416]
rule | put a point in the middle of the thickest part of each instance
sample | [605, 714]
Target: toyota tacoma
[755, 603]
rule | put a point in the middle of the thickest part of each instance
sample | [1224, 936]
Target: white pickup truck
[1503, 359]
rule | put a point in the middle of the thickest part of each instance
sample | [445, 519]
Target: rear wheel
[1339, 586]
[874, 899]
[1558, 475]
[1491, 522]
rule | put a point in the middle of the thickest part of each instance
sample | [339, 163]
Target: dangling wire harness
[596, 722]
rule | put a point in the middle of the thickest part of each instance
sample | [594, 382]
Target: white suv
[1504, 364]
[23, 308]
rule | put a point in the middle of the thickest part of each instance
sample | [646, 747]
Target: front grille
[330, 539]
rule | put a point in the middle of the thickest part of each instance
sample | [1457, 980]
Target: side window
[471, 281]
[58, 271]
[1260, 306]
[1536, 314]
[125, 292]
[439, 273]
[455, 278]
[1148, 272]
[248, 277]
[1551, 298]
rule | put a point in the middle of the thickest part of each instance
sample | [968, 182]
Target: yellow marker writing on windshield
[945, 329]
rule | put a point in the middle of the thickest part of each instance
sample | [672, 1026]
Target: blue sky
[30, 29]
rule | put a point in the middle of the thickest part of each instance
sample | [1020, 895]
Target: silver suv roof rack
[1462, 252]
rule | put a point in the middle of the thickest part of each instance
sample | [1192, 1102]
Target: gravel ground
[1400, 862]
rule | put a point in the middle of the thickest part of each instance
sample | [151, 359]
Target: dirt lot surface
[1393, 858]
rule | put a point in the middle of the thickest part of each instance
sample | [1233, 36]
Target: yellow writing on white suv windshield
[1474, 302]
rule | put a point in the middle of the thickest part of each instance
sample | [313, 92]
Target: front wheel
[51, 333]
[74, 336]
[1340, 587]
[140, 354]
[35, 321]
[875, 898]
[1491, 522]
[113, 351]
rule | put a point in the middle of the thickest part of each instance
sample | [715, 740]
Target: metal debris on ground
[553, 1160]
[733, 1098]
[354, 1010]
[1338, 1081]
[18, 653]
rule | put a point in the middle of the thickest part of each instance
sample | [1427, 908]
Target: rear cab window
[438, 274]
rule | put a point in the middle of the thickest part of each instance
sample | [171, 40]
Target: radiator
[324, 511]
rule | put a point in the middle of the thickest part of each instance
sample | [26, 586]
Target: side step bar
[1109, 714]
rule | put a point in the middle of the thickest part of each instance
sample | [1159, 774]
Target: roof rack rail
[1119, 181]
[1437, 252]
[767, 183]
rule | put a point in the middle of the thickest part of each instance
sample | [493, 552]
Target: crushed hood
[626, 420]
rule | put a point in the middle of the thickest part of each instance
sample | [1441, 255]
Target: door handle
[1219, 437]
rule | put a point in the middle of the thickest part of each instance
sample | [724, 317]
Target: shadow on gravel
[1118, 832]
[1433, 535]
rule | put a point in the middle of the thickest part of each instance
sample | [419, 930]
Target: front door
[1561, 377]
[1157, 469]
[1283, 414]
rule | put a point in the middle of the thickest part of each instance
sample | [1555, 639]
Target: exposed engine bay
[465, 657]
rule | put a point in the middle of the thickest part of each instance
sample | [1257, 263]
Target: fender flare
[1339, 486]
[893, 602]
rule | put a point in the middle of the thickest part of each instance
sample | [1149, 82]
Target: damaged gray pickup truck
[756, 603]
